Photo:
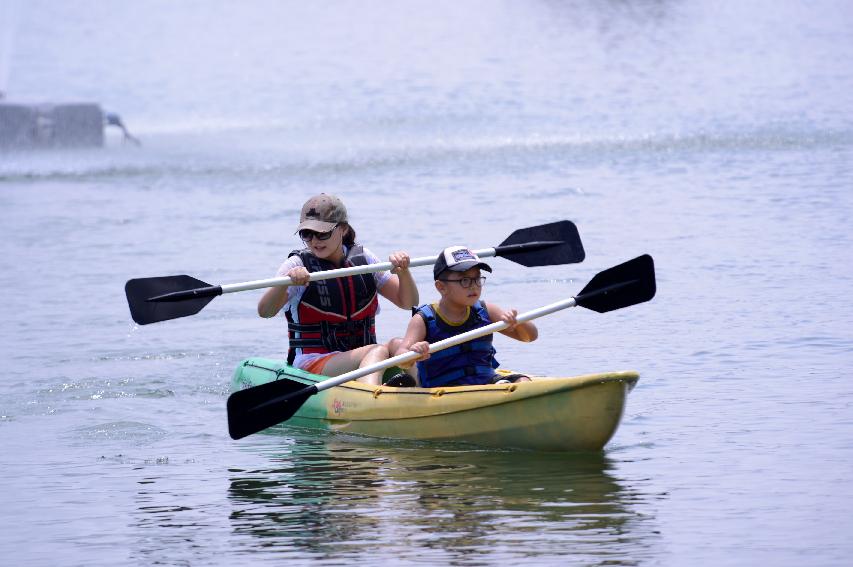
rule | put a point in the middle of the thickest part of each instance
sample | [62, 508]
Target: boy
[458, 280]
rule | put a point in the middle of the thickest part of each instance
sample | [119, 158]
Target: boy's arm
[524, 332]
[414, 341]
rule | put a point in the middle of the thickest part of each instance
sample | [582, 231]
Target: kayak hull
[579, 413]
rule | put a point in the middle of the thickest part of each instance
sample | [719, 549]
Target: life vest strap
[457, 374]
[331, 336]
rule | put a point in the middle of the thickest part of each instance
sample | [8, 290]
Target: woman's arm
[525, 332]
[276, 297]
[400, 289]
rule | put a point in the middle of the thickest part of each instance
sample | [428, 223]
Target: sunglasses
[468, 282]
[306, 235]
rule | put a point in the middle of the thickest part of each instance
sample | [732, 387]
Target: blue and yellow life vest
[470, 363]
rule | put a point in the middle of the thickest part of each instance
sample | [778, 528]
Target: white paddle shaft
[446, 343]
[340, 273]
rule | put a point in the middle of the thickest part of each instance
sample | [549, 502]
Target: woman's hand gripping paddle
[255, 409]
[152, 300]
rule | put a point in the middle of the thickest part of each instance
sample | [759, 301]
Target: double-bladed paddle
[152, 300]
[257, 408]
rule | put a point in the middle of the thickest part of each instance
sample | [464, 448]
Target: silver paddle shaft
[340, 273]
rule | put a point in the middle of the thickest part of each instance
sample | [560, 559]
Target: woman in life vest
[331, 323]
[457, 274]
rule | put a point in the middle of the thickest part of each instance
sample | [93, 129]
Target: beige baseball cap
[322, 213]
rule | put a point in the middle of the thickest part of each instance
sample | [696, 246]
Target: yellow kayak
[578, 413]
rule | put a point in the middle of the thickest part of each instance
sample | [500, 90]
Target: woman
[331, 323]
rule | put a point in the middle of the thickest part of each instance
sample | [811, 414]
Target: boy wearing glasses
[457, 274]
[331, 323]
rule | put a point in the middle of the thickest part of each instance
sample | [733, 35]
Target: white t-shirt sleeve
[381, 278]
[289, 264]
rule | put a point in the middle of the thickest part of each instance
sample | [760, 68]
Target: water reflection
[327, 497]
[299, 501]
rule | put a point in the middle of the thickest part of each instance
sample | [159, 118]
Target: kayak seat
[509, 378]
[402, 380]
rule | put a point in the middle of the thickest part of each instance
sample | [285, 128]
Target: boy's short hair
[457, 259]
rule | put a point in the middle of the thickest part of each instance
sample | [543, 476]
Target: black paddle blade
[140, 291]
[544, 245]
[620, 286]
[257, 408]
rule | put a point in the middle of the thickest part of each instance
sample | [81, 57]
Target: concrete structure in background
[69, 125]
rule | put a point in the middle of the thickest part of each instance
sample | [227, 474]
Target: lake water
[715, 136]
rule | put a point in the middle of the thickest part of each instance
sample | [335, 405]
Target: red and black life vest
[336, 314]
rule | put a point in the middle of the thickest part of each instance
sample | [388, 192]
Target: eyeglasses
[306, 235]
[468, 282]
